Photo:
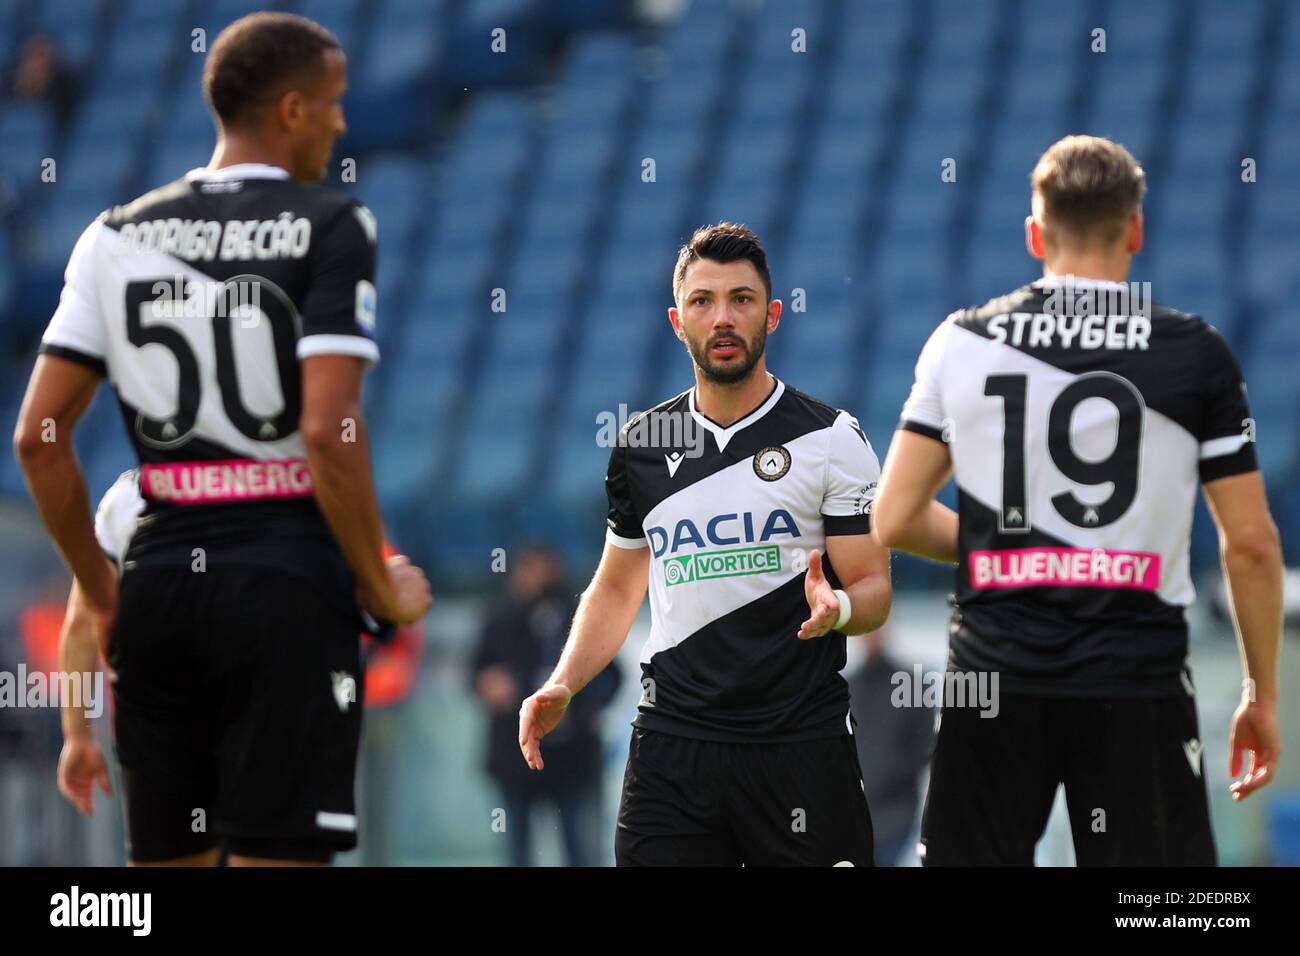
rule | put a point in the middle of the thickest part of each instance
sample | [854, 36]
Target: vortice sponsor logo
[703, 565]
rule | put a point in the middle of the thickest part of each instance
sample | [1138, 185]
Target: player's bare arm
[58, 394]
[81, 764]
[1252, 563]
[905, 515]
[338, 451]
[601, 625]
[863, 565]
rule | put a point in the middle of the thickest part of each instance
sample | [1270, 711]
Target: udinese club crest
[772, 463]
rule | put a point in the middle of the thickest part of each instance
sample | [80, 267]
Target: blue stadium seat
[75, 27]
[1229, 32]
[649, 216]
[8, 274]
[404, 43]
[225, 12]
[997, 264]
[499, 450]
[524, 172]
[884, 390]
[1140, 30]
[681, 98]
[747, 206]
[337, 16]
[27, 131]
[471, 61]
[1126, 91]
[1193, 277]
[962, 34]
[703, 30]
[565, 15]
[64, 219]
[396, 188]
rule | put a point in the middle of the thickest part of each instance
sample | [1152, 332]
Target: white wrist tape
[846, 610]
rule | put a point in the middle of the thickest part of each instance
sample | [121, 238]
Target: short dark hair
[1089, 187]
[260, 56]
[721, 242]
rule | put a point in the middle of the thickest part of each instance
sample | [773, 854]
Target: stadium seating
[565, 173]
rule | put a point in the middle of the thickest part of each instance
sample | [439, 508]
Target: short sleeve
[338, 314]
[923, 412]
[116, 515]
[624, 522]
[1226, 433]
[77, 329]
[852, 473]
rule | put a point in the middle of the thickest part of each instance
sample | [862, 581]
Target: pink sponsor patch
[235, 479]
[1064, 567]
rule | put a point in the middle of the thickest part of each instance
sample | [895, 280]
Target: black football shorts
[1132, 768]
[689, 802]
[238, 698]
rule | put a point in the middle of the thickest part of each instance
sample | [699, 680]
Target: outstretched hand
[822, 601]
[538, 716]
[1254, 732]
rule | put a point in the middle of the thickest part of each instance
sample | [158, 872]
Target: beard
[737, 371]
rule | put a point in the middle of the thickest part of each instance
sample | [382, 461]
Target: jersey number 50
[278, 310]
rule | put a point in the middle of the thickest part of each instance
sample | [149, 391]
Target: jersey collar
[238, 171]
[1071, 279]
[723, 434]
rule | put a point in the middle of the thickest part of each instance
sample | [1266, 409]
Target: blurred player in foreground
[390, 655]
[1079, 419]
[233, 312]
[721, 502]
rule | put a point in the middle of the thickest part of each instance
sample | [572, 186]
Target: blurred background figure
[893, 747]
[41, 76]
[392, 657]
[37, 826]
[521, 640]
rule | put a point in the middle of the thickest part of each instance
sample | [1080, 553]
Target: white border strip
[627, 544]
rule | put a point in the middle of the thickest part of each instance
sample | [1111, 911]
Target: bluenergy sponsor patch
[1064, 567]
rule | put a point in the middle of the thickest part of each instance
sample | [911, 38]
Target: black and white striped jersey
[730, 516]
[198, 301]
[1081, 419]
